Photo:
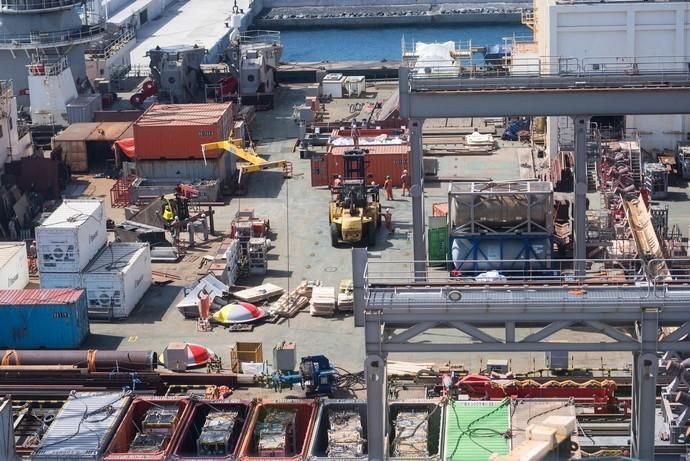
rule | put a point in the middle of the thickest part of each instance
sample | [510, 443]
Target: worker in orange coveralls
[388, 186]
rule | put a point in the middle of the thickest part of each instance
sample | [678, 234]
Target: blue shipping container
[43, 318]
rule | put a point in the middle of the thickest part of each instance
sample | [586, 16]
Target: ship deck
[194, 22]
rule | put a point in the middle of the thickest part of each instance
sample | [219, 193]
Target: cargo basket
[323, 448]
[297, 441]
[191, 445]
[434, 434]
[153, 422]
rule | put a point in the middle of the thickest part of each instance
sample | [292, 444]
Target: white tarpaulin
[434, 57]
[478, 139]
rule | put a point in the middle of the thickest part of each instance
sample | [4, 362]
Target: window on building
[0, 131]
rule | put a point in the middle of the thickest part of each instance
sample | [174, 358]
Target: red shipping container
[118, 449]
[185, 445]
[381, 161]
[439, 209]
[177, 131]
[306, 414]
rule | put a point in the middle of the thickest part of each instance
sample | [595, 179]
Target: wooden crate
[245, 352]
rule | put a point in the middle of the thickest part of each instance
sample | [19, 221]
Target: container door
[319, 171]
[438, 240]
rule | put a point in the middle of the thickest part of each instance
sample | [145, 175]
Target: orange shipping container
[177, 131]
[439, 209]
[381, 161]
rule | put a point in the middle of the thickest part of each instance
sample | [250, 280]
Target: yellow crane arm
[234, 146]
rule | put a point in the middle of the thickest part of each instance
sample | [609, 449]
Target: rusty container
[381, 161]
[187, 445]
[439, 209]
[177, 131]
[297, 442]
[141, 423]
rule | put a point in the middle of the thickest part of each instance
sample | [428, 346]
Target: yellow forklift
[354, 211]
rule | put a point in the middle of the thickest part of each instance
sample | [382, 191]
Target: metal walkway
[618, 300]
[537, 87]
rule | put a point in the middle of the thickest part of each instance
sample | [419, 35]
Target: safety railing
[499, 272]
[528, 18]
[552, 72]
[28, 6]
[260, 37]
[81, 34]
[535, 272]
[47, 67]
[605, 283]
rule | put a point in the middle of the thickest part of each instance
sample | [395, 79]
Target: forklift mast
[354, 164]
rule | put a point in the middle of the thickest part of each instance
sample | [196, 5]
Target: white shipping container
[71, 236]
[61, 280]
[14, 266]
[117, 278]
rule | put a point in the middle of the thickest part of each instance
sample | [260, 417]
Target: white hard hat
[404, 171]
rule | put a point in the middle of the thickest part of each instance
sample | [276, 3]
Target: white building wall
[9, 139]
[648, 31]
[49, 97]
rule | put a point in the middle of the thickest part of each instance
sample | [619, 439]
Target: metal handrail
[538, 287]
[49, 67]
[547, 72]
[542, 274]
[525, 271]
[260, 36]
[53, 37]
[36, 5]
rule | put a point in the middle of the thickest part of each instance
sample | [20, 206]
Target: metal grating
[83, 427]
[477, 429]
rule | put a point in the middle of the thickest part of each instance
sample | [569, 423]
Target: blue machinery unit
[501, 252]
[315, 375]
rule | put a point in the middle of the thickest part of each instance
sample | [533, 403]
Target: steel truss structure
[543, 87]
[395, 310]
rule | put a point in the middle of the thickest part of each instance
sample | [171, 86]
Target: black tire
[335, 235]
[371, 234]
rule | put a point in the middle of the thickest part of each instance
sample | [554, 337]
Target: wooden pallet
[290, 305]
[260, 293]
[323, 301]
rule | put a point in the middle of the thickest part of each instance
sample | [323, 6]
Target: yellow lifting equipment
[249, 155]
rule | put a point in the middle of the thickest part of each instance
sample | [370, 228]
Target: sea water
[376, 44]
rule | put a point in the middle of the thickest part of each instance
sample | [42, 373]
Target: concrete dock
[390, 15]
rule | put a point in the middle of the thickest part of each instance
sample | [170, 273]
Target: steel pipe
[92, 360]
